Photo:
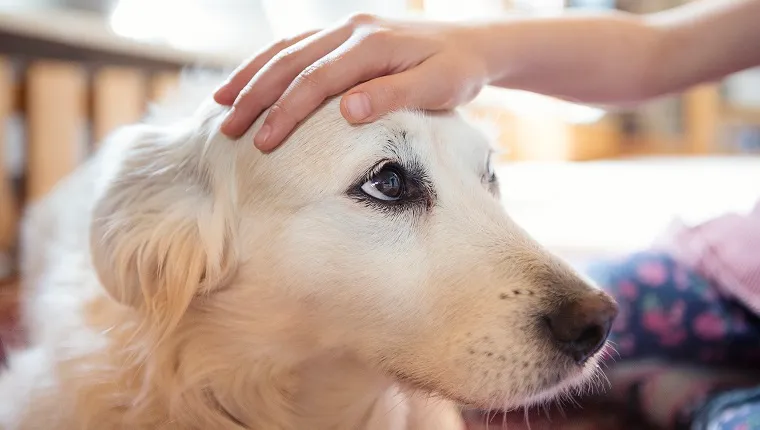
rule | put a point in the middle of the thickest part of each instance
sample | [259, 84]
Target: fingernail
[228, 119]
[261, 137]
[358, 107]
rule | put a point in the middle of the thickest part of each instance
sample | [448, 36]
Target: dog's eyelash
[379, 167]
[489, 178]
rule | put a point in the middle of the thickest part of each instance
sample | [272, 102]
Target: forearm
[705, 41]
[601, 58]
[620, 58]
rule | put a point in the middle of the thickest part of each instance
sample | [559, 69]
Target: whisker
[527, 416]
[545, 410]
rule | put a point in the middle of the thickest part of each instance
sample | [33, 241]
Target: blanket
[687, 340]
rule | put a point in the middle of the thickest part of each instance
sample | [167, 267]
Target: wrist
[489, 43]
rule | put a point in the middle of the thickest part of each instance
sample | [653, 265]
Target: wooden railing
[59, 96]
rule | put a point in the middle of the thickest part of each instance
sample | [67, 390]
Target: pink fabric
[726, 250]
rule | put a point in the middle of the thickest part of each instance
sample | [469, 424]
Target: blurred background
[586, 181]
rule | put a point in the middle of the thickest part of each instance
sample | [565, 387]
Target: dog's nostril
[581, 327]
[579, 339]
[591, 335]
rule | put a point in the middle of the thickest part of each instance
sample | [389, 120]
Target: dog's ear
[161, 227]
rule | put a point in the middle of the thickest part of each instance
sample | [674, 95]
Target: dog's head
[385, 242]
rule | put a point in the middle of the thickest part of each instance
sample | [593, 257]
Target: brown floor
[8, 302]
[587, 417]
[8, 314]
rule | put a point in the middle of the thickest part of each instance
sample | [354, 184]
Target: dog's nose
[581, 327]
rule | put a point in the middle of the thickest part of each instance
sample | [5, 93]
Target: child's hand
[402, 64]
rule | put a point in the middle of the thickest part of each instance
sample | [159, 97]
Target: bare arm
[600, 58]
[621, 58]
[706, 41]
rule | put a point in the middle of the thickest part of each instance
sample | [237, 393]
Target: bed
[605, 208]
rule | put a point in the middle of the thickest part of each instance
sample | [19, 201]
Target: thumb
[418, 88]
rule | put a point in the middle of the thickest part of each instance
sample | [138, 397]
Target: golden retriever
[359, 277]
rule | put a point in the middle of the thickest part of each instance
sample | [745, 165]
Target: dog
[358, 277]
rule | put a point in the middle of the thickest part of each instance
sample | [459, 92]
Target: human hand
[402, 64]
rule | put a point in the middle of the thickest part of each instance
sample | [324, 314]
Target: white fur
[181, 280]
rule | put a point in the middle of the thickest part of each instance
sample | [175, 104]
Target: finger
[275, 77]
[238, 79]
[330, 75]
[430, 86]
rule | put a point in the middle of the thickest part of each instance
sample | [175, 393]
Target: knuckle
[285, 58]
[469, 88]
[441, 101]
[446, 102]
[245, 94]
[290, 41]
[444, 98]
[360, 19]
[281, 112]
[250, 99]
[247, 103]
[281, 44]
[377, 38]
[469, 94]
[312, 77]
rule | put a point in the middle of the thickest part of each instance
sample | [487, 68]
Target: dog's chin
[575, 383]
[578, 379]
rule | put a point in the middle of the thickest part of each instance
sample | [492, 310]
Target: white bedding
[585, 210]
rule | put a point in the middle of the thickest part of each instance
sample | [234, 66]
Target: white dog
[359, 277]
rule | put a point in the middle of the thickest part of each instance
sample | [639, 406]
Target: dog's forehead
[428, 137]
[450, 137]
[326, 154]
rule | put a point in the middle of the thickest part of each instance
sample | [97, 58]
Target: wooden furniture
[709, 116]
[545, 134]
[66, 82]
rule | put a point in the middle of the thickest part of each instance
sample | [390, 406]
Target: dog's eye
[490, 180]
[386, 185]
[392, 186]
[490, 175]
